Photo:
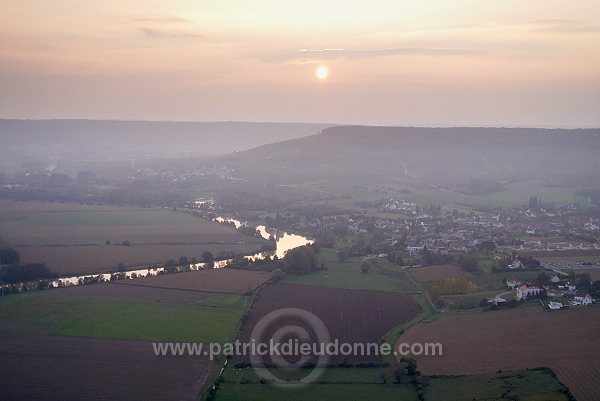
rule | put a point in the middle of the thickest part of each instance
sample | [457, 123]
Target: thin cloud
[163, 20]
[312, 55]
[155, 21]
[562, 26]
[153, 33]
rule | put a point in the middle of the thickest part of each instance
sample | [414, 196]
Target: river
[284, 242]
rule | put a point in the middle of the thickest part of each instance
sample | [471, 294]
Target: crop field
[495, 281]
[73, 238]
[48, 367]
[385, 277]
[71, 260]
[350, 316]
[15, 210]
[516, 339]
[586, 254]
[224, 280]
[519, 193]
[110, 290]
[321, 392]
[53, 312]
[437, 273]
[109, 218]
[366, 384]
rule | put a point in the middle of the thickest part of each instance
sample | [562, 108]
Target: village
[563, 239]
[557, 294]
[452, 232]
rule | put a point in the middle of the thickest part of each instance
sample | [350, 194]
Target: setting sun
[322, 72]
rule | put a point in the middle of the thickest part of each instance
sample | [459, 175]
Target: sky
[390, 62]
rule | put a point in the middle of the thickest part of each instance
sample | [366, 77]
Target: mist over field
[128, 222]
[77, 140]
[267, 200]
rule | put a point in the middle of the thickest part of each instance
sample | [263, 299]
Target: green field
[76, 239]
[510, 198]
[367, 384]
[110, 218]
[95, 317]
[348, 275]
[494, 281]
[227, 301]
[526, 385]
[324, 392]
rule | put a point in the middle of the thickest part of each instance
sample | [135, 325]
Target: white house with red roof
[527, 290]
[583, 298]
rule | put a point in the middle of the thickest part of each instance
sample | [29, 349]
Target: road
[498, 298]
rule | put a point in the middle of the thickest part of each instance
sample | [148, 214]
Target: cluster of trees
[431, 210]
[486, 246]
[584, 282]
[535, 204]
[404, 367]
[266, 264]
[429, 258]
[16, 273]
[207, 257]
[249, 230]
[9, 256]
[274, 222]
[367, 265]
[365, 245]
[450, 286]
[469, 264]
[300, 260]
[11, 271]
[528, 262]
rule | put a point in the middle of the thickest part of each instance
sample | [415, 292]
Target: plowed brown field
[350, 316]
[41, 367]
[566, 341]
[437, 273]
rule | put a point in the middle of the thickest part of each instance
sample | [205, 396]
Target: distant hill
[448, 157]
[102, 140]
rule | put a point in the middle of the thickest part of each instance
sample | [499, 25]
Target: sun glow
[322, 72]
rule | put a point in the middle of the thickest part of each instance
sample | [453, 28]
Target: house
[554, 279]
[513, 283]
[587, 300]
[415, 250]
[516, 264]
[528, 290]
[583, 298]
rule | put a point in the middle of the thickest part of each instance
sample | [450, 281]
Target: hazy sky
[421, 62]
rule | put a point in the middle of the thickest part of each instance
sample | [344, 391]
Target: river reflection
[284, 242]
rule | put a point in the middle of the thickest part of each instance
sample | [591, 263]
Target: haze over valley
[308, 200]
